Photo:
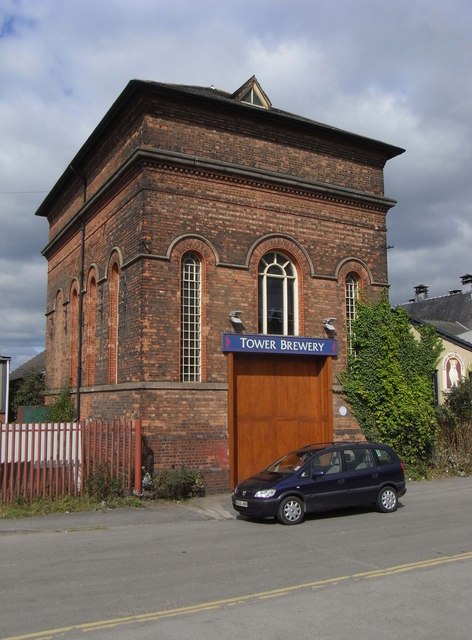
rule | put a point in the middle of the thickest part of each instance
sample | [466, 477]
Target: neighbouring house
[206, 252]
[451, 315]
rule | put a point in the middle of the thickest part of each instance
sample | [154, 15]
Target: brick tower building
[205, 255]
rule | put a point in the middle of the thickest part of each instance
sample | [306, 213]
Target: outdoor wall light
[235, 317]
[236, 322]
[328, 325]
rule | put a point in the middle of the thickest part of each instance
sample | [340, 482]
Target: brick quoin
[174, 169]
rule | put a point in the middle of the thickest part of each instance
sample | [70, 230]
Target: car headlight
[265, 493]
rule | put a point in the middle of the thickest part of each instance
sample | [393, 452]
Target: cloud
[391, 70]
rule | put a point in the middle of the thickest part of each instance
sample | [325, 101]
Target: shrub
[101, 485]
[178, 484]
[453, 453]
[62, 410]
[29, 392]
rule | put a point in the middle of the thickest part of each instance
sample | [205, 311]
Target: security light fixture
[328, 325]
[236, 322]
[235, 318]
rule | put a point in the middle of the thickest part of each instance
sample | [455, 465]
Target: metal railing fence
[58, 459]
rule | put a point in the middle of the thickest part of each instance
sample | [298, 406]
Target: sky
[393, 70]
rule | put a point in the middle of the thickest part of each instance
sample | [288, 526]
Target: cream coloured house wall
[454, 364]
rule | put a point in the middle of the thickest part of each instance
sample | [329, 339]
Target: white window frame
[287, 273]
[351, 299]
[191, 318]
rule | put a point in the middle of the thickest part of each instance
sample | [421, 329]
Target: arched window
[190, 318]
[278, 295]
[351, 297]
[90, 330]
[113, 306]
[58, 328]
[73, 334]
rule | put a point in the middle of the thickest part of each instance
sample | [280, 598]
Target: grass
[67, 504]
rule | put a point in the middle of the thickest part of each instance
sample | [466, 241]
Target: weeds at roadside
[67, 504]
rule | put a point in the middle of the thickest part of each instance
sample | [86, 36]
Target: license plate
[240, 503]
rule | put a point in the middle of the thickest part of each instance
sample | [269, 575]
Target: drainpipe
[81, 292]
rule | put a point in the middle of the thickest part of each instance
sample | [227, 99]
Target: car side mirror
[317, 473]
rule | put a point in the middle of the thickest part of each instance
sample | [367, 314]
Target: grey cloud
[391, 70]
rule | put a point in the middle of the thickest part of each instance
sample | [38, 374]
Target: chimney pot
[421, 292]
[467, 282]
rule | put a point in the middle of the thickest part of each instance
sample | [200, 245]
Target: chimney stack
[466, 282]
[421, 292]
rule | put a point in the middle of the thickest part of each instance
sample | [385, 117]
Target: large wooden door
[278, 403]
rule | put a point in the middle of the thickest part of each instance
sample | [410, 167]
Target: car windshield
[290, 463]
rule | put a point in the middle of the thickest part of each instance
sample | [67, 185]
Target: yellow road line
[50, 634]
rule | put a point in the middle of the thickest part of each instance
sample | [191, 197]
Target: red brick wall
[156, 212]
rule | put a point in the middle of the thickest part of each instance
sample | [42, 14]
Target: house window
[278, 296]
[352, 295]
[190, 319]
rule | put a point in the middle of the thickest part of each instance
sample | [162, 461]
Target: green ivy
[388, 382]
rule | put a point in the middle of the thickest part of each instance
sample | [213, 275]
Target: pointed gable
[251, 92]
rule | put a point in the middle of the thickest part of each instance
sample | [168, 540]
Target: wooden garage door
[279, 403]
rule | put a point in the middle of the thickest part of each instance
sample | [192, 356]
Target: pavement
[212, 507]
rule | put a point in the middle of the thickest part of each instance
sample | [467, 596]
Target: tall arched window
[58, 343]
[190, 318]
[113, 306]
[278, 295]
[351, 296]
[73, 334]
[90, 330]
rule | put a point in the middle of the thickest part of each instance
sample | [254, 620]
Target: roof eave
[136, 87]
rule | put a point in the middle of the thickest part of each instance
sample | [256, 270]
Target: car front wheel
[291, 510]
[387, 500]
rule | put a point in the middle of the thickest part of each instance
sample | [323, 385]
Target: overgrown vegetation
[101, 485]
[30, 391]
[453, 452]
[62, 409]
[388, 382]
[102, 492]
[67, 504]
[177, 484]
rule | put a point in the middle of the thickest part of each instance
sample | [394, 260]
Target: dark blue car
[323, 476]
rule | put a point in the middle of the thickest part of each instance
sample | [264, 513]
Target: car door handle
[375, 475]
[341, 481]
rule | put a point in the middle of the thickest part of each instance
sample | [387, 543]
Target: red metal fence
[39, 460]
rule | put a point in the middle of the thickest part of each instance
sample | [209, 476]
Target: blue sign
[285, 345]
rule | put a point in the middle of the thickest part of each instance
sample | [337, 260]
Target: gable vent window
[253, 97]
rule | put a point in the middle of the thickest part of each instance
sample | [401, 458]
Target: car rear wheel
[387, 500]
[291, 510]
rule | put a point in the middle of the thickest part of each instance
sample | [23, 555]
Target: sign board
[280, 345]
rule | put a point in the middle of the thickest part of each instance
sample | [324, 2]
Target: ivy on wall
[389, 379]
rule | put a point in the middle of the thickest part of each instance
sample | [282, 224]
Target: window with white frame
[190, 319]
[352, 295]
[278, 295]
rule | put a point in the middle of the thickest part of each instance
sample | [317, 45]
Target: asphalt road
[196, 570]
